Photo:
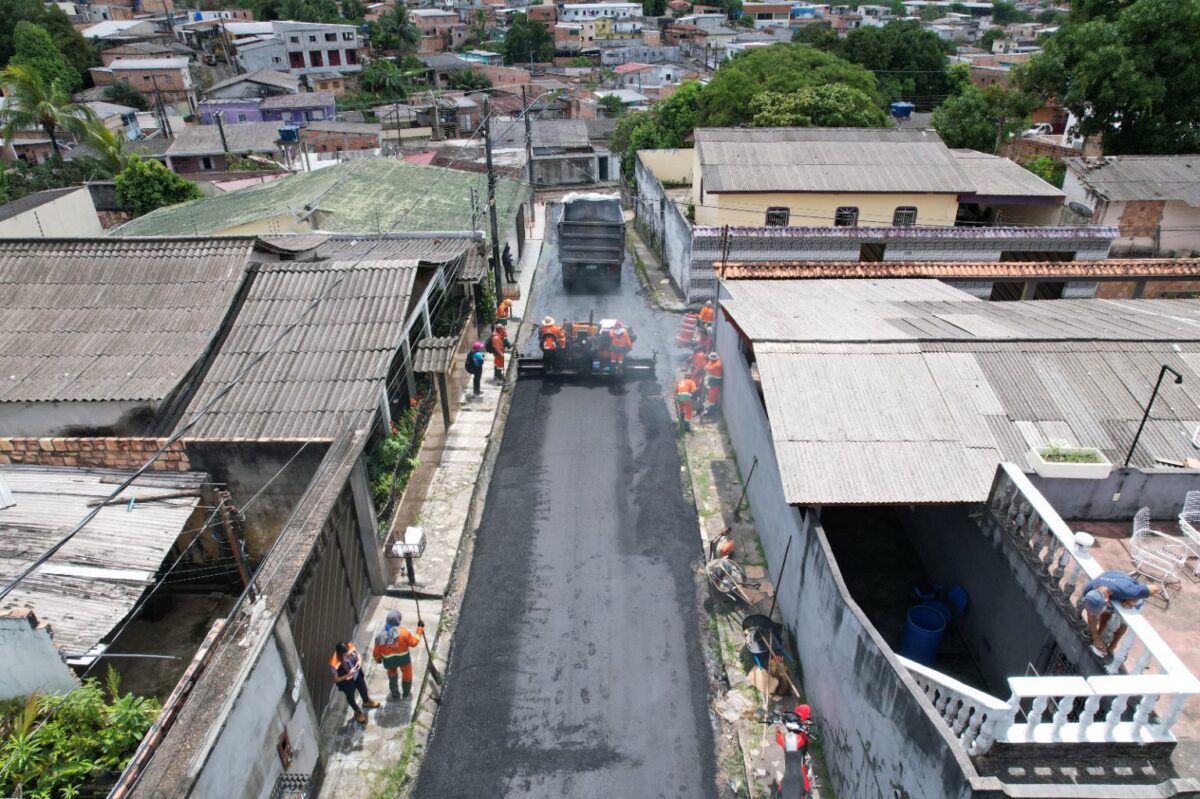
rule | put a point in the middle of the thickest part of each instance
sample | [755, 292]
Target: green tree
[781, 68]
[931, 13]
[989, 37]
[33, 103]
[668, 123]
[394, 32]
[1052, 16]
[527, 40]
[477, 26]
[109, 146]
[820, 35]
[832, 105]
[612, 105]
[982, 119]
[143, 186]
[54, 173]
[654, 8]
[50, 18]
[384, 78]
[1127, 72]
[1048, 169]
[1004, 13]
[908, 61]
[468, 80]
[33, 47]
[123, 93]
[353, 10]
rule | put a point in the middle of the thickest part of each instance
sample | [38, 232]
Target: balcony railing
[1137, 701]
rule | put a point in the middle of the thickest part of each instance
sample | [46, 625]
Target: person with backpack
[474, 365]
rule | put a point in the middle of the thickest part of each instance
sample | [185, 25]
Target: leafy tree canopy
[989, 37]
[33, 47]
[667, 124]
[1004, 13]
[468, 80]
[654, 8]
[527, 40]
[33, 102]
[612, 105]
[820, 35]
[982, 119]
[143, 186]
[908, 61]
[22, 178]
[1048, 169]
[930, 13]
[833, 105]
[51, 19]
[1128, 72]
[781, 68]
[353, 10]
[394, 31]
[383, 78]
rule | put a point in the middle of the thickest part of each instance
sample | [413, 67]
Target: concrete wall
[29, 660]
[668, 166]
[662, 222]
[816, 210]
[565, 171]
[244, 762]
[70, 216]
[879, 734]
[1162, 492]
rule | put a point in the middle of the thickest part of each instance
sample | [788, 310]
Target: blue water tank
[923, 630]
[901, 109]
[289, 133]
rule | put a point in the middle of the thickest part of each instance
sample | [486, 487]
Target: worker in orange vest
[685, 391]
[498, 341]
[707, 314]
[551, 336]
[504, 311]
[348, 677]
[621, 343]
[714, 372]
[391, 649]
[699, 361]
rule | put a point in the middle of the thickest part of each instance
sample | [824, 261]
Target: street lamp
[1161, 374]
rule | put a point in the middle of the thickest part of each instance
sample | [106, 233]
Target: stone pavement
[373, 760]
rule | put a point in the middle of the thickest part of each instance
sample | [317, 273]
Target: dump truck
[591, 239]
[585, 349]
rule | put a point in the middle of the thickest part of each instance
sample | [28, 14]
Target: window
[904, 216]
[348, 36]
[296, 60]
[351, 56]
[317, 58]
[778, 216]
[331, 37]
[276, 59]
[294, 39]
[335, 58]
[312, 37]
[241, 117]
[206, 162]
[846, 216]
[146, 78]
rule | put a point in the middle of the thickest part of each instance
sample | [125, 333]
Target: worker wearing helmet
[707, 314]
[474, 365]
[714, 376]
[504, 311]
[551, 336]
[621, 343]
[685, 391]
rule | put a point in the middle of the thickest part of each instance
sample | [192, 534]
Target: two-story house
[302, 48]
[168, 77]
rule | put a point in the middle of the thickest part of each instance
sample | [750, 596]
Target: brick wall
[111, 453]
[503, 76]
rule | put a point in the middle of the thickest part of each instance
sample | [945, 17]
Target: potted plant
[1058, 459]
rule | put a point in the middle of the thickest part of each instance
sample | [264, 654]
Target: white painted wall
[70, 216]
[29, 660]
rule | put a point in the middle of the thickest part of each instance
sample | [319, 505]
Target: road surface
[577, 669]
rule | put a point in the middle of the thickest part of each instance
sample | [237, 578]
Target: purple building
[298, 108]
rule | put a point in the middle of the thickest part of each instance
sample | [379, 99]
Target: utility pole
[162, 109]
[525, 108]
[221, 130]
[436, 114]
[491, 186]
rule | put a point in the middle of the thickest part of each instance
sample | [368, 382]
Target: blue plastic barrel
[923, 629]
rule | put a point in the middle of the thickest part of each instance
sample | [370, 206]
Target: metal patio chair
[1189, 525]
[1157, 555]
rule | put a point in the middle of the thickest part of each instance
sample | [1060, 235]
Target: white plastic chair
[1189, 525]
[1156, 555]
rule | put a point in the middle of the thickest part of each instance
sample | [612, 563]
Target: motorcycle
[794, 731]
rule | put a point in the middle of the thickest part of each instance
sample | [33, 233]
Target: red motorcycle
[794, 730]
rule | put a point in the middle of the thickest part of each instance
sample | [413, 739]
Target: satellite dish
[1081, 209]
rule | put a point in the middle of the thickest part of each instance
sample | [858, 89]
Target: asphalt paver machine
[585, 348]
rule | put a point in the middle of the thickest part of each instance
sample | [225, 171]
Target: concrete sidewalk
[372, 759]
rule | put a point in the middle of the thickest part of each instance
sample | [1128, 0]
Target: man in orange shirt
[391, 649]
[504, 311]
[707, 314]
[621, 344]
[499, 338]
[685, 390]
[714, 376]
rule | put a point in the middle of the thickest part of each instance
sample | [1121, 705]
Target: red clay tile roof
[1112, 268]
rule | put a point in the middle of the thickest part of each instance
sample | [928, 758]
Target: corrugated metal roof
[90, 585]
[110, 319]
[877, 397]
[827, 160]
[1141, 177]
[301, 100]
[325, 371]
[960, 270]
[435, 354]
[244, 137]
[993, 176]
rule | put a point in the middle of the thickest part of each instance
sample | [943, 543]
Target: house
[769, 15]
[300, 48]
[361, 196]
[1154, 200]
[563, 153]
[439, 66]
[138, 50]
[169, 77]
[204, 148]
[441, 29]
[262, 83]
[628, 97]
[578, 12]
[328, 82]
[298, 108]
[53, 213]
[118, 29]
[890, 424]
[342, 137]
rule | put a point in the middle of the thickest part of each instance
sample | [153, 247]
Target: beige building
[818, 177]
[56, 213]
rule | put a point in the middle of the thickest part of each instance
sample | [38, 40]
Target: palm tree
[399, 31]
[31, 102]
[109, 146]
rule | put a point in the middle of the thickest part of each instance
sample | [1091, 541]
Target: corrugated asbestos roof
[34, 200]
[90, 585]
[827, 160]
[1141, 177]
[325, 371]
[435, 354]
[110, 319]
[992, 176]
[894, 392]
[244, 137]
[301, 100]
[961, 270]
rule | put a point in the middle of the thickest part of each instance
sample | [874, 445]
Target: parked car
[1040, 129]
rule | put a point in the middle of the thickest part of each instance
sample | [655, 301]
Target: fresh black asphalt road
[577, 669]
